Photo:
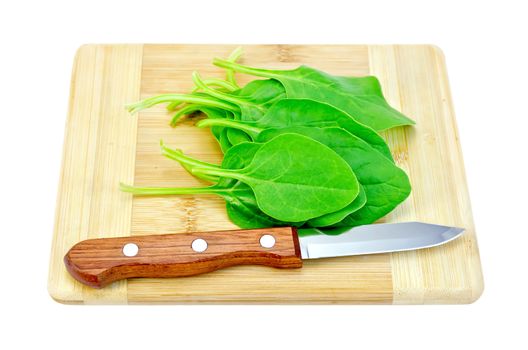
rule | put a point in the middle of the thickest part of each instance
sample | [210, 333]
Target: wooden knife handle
[98, 262]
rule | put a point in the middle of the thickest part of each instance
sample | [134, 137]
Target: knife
[99, 262]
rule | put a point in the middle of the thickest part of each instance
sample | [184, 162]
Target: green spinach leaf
[306, 181]
[360, 97]
[385, 184]
[303, 112]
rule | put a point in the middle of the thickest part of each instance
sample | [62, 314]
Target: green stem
[244, 69]
[214, 93]
[186, 162]
[233, 57]
[251, 130]
[173, 105]
[184, 111]
[162, 191]
[181, 158]
[219, 83]
[152, 101]
[214, 82]
[209, 178]
[220, 172]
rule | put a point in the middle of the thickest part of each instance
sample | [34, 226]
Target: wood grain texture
[99, 262]
[430, 153]
[414, 81]
[99, 151]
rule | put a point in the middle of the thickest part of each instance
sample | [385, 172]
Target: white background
[485, 46]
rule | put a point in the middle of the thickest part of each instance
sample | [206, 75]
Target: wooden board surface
[104, 145]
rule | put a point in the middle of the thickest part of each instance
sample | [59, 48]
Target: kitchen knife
[99, 262]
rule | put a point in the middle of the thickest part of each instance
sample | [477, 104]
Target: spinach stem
[252, 130]
[214, 82]
[152, 101]
[233, 57]
[219, 83]
[155, 191]
[220, 172]
[209, 178]
[173, 105]
[184, 111]
[214, 93]
[181, 158]
[244, 69]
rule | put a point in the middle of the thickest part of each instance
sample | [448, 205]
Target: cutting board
[105, 145]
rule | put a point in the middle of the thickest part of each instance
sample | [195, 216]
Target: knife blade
[373, 239]
[99, 262]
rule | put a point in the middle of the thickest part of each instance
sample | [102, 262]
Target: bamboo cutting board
[105, 145]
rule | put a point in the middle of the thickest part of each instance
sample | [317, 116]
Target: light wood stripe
[415, 82]
[407, 277]
[99, 151]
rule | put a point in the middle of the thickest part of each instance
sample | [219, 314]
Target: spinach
[308, 181]
[303, 112]
[240, 156]
[253, 100]
[301, 147]
[241, 205]
[359, 97]
[324, 136]
[385, 184]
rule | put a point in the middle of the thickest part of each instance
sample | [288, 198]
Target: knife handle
[99, 262]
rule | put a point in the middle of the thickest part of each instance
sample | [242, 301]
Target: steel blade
[373, 239]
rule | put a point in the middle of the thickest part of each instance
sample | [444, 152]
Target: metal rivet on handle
[199, 245]
[130, 249]
[267, 241]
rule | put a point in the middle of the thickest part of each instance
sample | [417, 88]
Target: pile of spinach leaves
[301, 147]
